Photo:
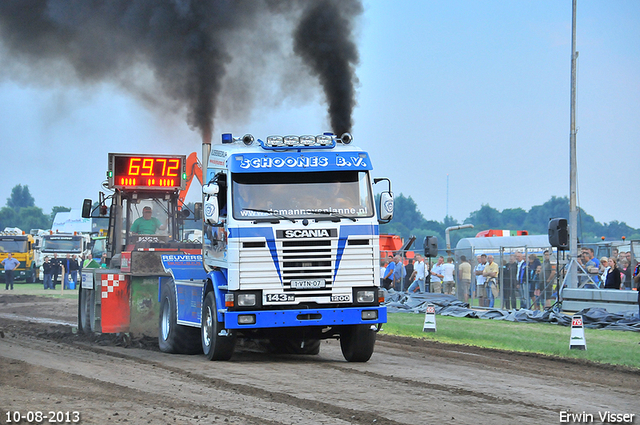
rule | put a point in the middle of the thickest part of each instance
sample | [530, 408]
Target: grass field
[605, 346]
[20, 288]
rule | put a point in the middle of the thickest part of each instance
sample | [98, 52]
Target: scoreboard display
[148, 172]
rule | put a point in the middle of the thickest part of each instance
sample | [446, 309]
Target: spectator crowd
[523, 280]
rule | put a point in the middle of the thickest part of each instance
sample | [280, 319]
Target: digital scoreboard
[148, 172]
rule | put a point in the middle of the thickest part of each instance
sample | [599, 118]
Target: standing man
[10, 265]
[521, 284]
[490, 272]
[448, 279]
[388, 274]
[549, 274]
[418, 275]
[87, 260]
[408, 274]
[46, 273]
[56, 267]
[592, 265]
[464, 269]
[509, 280]
[74, 267]
[398, 273]
[481, 279]
[636, 279]
[67, 264]
[437, 272]
[532, 266]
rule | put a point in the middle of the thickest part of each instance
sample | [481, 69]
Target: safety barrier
[612, 300]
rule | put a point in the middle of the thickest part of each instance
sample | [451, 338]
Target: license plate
[280, 298]
[308, 284]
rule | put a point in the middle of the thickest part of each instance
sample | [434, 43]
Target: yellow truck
[22, 247]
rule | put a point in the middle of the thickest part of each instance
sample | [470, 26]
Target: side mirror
[386, 207]
[210, 189]
[86, 208]
[197, 211]
[211, 210]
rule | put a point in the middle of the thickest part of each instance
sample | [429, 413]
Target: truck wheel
[357, 342]
[31, 276]
[86, 299]
[174, 338]
[215, 347]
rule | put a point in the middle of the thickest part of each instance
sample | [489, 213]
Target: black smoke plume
[184, 47]
[323, 39]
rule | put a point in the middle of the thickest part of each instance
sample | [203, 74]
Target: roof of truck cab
[238, 157]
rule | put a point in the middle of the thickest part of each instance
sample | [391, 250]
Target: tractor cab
[145, 212]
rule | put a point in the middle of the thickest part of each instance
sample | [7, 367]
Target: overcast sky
[473, 93]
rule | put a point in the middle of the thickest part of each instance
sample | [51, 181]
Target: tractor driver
[147, 224]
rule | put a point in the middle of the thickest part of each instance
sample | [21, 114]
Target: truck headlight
[367, 296]
[246, 300]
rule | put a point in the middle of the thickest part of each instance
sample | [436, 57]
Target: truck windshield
[69, 244]
[302, 195]
[12, 245]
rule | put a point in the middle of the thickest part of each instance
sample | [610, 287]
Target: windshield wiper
[334, 215]
[280, 216]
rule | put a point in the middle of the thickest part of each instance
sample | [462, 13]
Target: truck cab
[22, 247]
[290, 244]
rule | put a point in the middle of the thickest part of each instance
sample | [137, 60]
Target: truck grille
[307, 260]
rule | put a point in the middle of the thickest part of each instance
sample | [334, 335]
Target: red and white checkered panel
[110, 282]
[115, 308]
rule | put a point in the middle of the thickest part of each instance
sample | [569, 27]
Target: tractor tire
[172, 337]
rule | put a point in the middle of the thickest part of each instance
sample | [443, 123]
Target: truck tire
[215, 347]
[357, 342]
[86, 300]
[31, 276]
[174, 338]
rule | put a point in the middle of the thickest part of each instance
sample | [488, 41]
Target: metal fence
[552, 272]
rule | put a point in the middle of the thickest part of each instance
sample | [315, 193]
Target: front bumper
[306, 317]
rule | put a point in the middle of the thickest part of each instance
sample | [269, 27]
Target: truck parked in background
[70, 234]
[23, 248]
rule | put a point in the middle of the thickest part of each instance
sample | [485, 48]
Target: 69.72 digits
[36, 417]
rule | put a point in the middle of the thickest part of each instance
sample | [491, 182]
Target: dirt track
[45, 367]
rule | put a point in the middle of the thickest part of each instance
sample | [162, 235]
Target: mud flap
[115, 303]
[189, 277]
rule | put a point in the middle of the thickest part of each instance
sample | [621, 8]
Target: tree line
[408, 221]
[21, 211]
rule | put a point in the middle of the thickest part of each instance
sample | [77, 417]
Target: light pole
[573, 210]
